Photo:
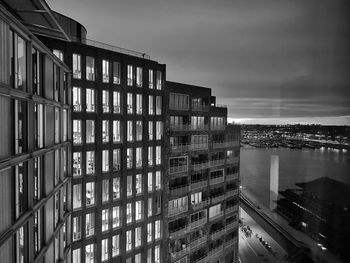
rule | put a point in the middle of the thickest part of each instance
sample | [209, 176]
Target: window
[90, 162]
[19, 58]
[76, 99]
[105, 190]
[20, 245]
[116, 131]
[159, 80]
[65, 125]
[150, 182]
[150, 208]
[89, 253]
[89, 224]
[20, 127]
[159, 130]
[90, 68]
[76, 131]
[138, 157]
[116, 188]
[90, 131]
[105, 160]
[76, 196]
[90, 100]
[116, 102]
[138, 210]
[76, 228]
[36, 72]
[38, 227]
[128, 240]
[150, 130]
[56, 81]
[150, 105]
[138, 130]
[129, 159]
[104, 249]
[115, 245]
[39, 125]
[138, 231]
[149, 232]
[116, 217]
[76, 256]
[158, 155]
[214, 210]
[76, 66]
[104, 220]
[58, 53]
[157, 254]
[38, 174]
[116, 72]
[150, 156]
[56, 167]
[105, 131]
[158, 105]
[129, 132]
[138, 184]
[139, 104]
[57, 125]
[116, 159]
[178, 101]
[138, 258]
[105, 71]
[158, 184]
[150, 79]
[128, 213]
[129, 103]
[129, 185]
[157, 229]
[130, 76]
[105, 101]
[138, 77]
[57, 208]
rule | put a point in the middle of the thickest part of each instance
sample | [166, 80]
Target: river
[295, 165]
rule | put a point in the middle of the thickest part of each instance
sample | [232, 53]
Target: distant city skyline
[263, 59]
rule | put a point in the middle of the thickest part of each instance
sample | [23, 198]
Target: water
[295, 165]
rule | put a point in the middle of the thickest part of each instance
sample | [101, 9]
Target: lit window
[115, 217]
[20, 242]
[115, 245]
[38, 173]
[138, 231]
[37, 231]
[138, 130]
[128, 240]
[138, 258]
[150, 105]
[105, 190]
[130, 76]
[105, 131]
[90, 162]
[76, 256]
[39, 125]
[90, 193]
[138, 210]
[105, 160]
[129, 158]
[105, 71]
[76, 131]
[158, 184]
[150, 182]
[138, 184]
[157, 229]
[89, 253]
[150, 156]
[159, 80]
[104, 249]
[128, 212]
[138, 157]
[149, 255]
[20, 126]
[150, 79]
[76, 228]
[57, 208]
[89, 224]
[116, 159]
[76, 99]
[76, 196]
[104, 220]
[129, 185]
[116, 102]
[90, 131]
[116, 131]
[76, 66]
[157, 254]
[129, 132]
[129, 103]
[150, 130]
[150, 209]
[158, 155]
[159, 130]
[158, 105]
[116, 188]
[58, 53]
[138, 77]
[139, 104]
[116, 72]
[90, 100]
[105, 101]
[65, 125]
[149, 232]
[90, 68]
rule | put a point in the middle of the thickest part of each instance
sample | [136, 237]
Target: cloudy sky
[268, 60]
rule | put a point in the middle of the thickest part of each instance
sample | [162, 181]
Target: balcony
[198, 185]
[179, 232]
[217, 128]
[219, 145]
[178, 169]
[216, 180]
[198, 146]
[180, 148]
[202, 127]
[214, 253]
[230, 177]
[178, 107]
[197, 107]
[232, 144]
[218, 162]
[200, 205]
[231, 209]
[198, 242]
[220, 214]
[231, 193]
[198, 223]
[179, 127]
[218, 234]
[231, 225]
[200, 166]
[177, 211]
[232, 160]
[217, 198]
[180, 190]
[179, 254]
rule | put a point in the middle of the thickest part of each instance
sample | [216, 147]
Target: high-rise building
[202, 177]
[143, 170]
[35, 147]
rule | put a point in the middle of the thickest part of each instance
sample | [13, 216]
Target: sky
[267, 60]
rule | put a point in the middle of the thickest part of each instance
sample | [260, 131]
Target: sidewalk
[318, 254]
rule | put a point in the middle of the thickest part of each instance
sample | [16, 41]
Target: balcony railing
[217, 234]
[198, 223]
[200, 241]
[200, 205]
[231, 209]
[200, 166]
[204, 259]
[217, 128]
[198, 185]
[218, 162]
[179, 127]
[220, 214]
[180, 148]
[230, 193]
[177, 211]
[179, 232]
[231, 242]
[177, 107]
[232, 144]
[215, 252]
[232, 160]
[199, 146]
[231, 225]
[217, 198]
[180, 190]
[217, 180]
[225, 144]
[198, 127]
[178, 169]
[198, 107]
[179, 254]
[230, 177]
